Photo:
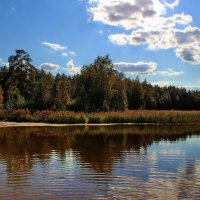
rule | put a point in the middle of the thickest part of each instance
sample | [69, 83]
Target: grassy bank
[131, 116]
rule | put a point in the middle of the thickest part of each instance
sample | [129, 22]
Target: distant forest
[98, 87]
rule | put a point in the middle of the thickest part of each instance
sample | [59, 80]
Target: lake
[100, 162]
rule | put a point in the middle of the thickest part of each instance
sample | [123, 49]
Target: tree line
[98, 87]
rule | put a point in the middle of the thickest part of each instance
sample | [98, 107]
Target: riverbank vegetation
[134, 116]
[97, 88]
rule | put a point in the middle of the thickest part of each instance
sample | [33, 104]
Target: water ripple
[99, 168]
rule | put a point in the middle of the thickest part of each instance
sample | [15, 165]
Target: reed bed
[130, 116]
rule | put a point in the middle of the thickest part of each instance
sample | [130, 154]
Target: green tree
[82, 100]
[99, 80]
[43, 98]
[19, 74]
[99, 87]
[119, 99]
[14, 100]
[135, 94]
[1, 97]
[61, 92]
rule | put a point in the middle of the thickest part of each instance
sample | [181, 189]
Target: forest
[98, 87]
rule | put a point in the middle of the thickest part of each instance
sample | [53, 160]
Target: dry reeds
[131, 116]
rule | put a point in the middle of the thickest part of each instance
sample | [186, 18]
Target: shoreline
[41, 124]
[64, 118]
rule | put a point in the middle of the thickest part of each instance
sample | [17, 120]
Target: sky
[157, 40]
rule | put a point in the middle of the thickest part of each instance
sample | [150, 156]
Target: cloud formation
[189, 54]
[134, 14]
[72, 53]
[162, 83]
[188, 86]
[147, 68]
[100, 32]
[72, 68]
[49, 66]
[150, 25]
[128, 14]
[3, 63]
[64, 54]
[59, 48]
[55, 47]
[171, 72]
[173, 4]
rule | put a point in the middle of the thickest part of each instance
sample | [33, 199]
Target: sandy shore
[25, 124]
[37, 124]
[34, 124]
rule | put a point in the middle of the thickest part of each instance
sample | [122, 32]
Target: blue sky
[156, 39]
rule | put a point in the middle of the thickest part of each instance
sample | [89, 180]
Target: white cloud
[120, 39]
[147, 68]
[72, 53]
[171, 72]
[162, 83]
[188, 86]
[128, 14]
[100, 32]
[173, 4]
[191, 86]
[3, 63]
[189, 54]
[49, 66]
[160, 38]
[60, 48]
[134, 14]
[185, 42]
[151, 25]
[72, 68]
[55, 47]
[64, 54]
[167, 22]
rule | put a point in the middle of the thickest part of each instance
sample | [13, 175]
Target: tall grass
[131, 116]
[146, 116]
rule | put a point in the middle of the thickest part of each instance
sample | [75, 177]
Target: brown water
[113, 162]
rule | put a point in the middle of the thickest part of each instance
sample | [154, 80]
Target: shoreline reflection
[136, 161]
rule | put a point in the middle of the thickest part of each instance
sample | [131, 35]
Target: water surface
[109, 162]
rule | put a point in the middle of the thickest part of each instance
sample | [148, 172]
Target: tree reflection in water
[99, 150]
